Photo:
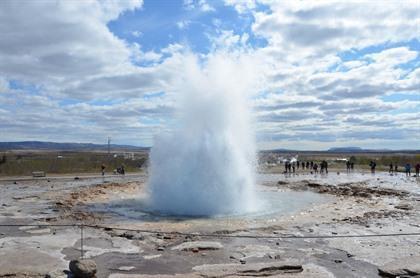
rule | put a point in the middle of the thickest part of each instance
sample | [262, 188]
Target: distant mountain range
[358, 150]
[38, 145]
[346, 150]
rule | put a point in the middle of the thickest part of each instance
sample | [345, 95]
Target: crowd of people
[393, 169]
[120, 170]
[290, 167]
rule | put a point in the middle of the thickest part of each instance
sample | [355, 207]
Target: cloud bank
[334, 74]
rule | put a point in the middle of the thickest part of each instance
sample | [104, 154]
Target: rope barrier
[215, 235]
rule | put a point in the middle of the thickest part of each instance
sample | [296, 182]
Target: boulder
[408, 266]
[83, 268]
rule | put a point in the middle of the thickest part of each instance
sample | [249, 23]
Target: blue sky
[332, 73]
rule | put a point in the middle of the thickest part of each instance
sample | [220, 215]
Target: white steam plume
[205, 165]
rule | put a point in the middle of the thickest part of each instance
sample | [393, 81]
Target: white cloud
[4, 85]
[183, 24]
[205, 6]
[242, 6]
[321, 27]
[311, 91]
[202, 5]
[136, 34]
[394, 56]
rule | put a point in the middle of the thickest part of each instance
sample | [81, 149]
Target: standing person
[348, 166]
[285, 167]
[372, 165]
[312, 164]
[103, 169]
[289, 167]
[326, 166]
[395, 168]
[391, 168]
[297, 164]
[294, 167]
[352, 166]
[315, 167]
[307, 164]
[408, 169]
[417, 169]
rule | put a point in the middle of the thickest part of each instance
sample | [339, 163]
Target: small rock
[83, 268]
[76, 178]
[404, 207]
[126, 268]
[149, 257]
[242, 261]
[161, 248]
[199, 245]
[338, 261]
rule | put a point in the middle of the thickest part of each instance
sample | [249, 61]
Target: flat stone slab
[183, 275]
[254, 269]
[408, 266]
[27, 261]
[39, 231]
[198, 245]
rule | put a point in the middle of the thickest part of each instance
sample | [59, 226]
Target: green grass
[24, 163]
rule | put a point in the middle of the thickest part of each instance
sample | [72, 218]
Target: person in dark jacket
[408, 169]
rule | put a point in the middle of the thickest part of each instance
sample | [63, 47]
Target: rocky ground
[351, 205]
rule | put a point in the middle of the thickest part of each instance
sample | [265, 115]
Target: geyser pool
[205, 164]
[273, 204]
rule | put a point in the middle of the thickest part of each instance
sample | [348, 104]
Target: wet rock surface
[358, 189]
[409, 267]
[357, 205]
[255, 269]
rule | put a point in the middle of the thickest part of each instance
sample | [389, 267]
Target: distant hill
[342, 150]
[39, 145]
[360, 150]
[346, 149]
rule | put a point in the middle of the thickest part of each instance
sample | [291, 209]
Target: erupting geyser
[205, 164]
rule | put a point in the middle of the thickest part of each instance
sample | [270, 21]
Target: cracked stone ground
[354, 204]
